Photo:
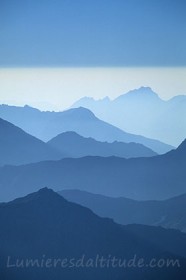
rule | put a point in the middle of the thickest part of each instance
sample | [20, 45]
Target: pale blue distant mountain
[142, 111]
[46, 125]
[74, 145]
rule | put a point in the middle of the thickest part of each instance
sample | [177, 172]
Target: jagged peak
[140, 92]
[83, 101]
[86, 98]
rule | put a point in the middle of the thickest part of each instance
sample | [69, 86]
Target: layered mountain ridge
[142, 111]
[46, 125]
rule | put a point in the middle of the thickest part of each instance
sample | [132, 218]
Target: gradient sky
[53, 52]
[92, 33]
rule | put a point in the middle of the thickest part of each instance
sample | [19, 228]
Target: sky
[53, 52]
[104, 33]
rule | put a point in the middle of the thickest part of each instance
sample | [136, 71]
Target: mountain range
[168, 213]
[158, 177]
[74, 145]
[18, 147]
[142, 111]
[46, 125]
[43, 228]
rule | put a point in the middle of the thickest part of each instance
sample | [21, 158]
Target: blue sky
[104, 33]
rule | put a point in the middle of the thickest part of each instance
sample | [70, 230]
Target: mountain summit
[141, 111]
[145, 93]
[80, 113]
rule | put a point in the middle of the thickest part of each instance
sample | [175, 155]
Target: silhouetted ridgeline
[46, 125]
[75, 145]
[159, 177]
[142, 111]
[168, 213]
[18, 147]
[44, 226]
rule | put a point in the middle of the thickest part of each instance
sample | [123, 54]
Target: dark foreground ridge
[44, 225]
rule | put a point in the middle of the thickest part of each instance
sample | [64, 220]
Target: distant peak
[83, 101]
[145, 92]
[67, 134]
[87, 101]
[30, 108]
[45, 190]
[88, 98]
[44, 194]
[145, 88]
[80, 112]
